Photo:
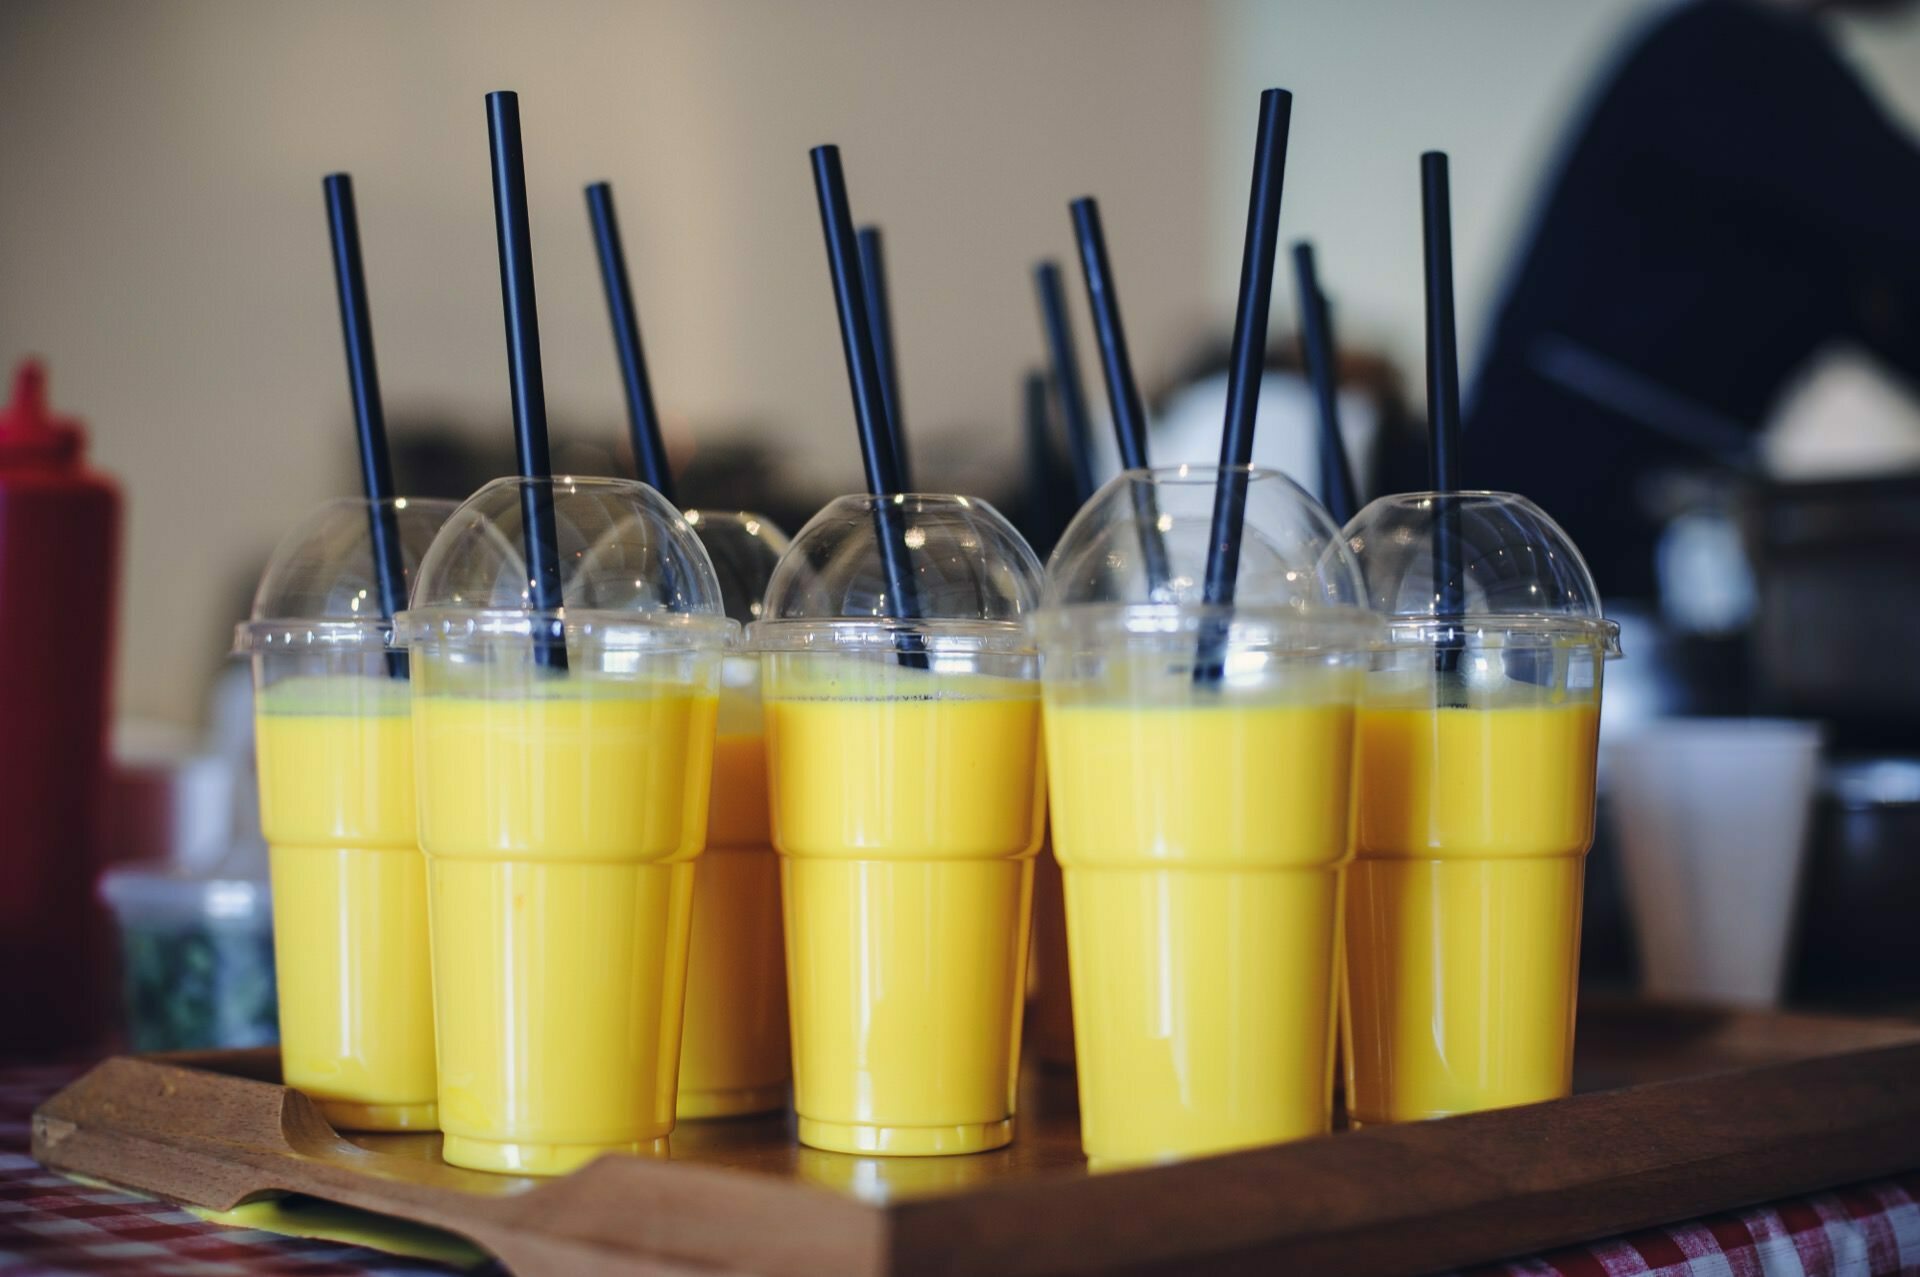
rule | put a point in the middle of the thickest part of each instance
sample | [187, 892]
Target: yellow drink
[349, 899]
[1202, 848]
[561, 829]
[734, 1056]
[1463, 915]
[907, 822]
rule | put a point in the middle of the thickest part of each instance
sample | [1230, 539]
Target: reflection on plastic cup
[735, 1057]
[907, 796]
[1477, 735]
[334, 748]
[561, 812]
[1202, 824]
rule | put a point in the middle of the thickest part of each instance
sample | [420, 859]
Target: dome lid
[1517, 569]
[1140, 546]
[626, 557]
[966, 568]
[321, 587]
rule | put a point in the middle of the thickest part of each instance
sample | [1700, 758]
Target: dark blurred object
[433, 457]
[1608, 960]
[1859, 947]
[59, 554]
[1732, 201]
[1839, 600]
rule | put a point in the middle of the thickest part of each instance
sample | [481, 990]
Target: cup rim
[886, 634]
[1336, 627]
[657, 629]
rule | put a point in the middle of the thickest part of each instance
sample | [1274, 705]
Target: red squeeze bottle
[59, 550]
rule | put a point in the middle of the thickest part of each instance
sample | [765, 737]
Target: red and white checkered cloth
[1866, 1230]
[51, 1226]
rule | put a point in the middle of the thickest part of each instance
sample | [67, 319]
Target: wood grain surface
[1682, 1112]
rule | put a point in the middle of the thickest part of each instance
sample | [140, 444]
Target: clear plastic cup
[334, 748]
[908, 795]
[1202, 822]
[734, 1054]
[1478, 727]
[561, 809]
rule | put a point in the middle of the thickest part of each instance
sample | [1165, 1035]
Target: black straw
[1071, 391]
[863, 377]
[370, 418]
[873, 286]
[643, 422]
[1443, 398]
[1317, 343]
[1249, 354]
[1246, 369]
[1123, 394]
[515, 238]
[1443, 367]
[1040, 517]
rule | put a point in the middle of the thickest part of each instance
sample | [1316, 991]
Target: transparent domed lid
[961, 564]
[624, 555]
[1517, 571]
[320, 586]
[1140, 546]
[745, 548]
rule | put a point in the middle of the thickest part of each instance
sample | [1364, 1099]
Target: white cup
[1712, 820]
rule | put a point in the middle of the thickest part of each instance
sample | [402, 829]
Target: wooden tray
[1683, 1112]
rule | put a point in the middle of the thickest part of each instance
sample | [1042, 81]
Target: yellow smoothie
[907, 808]
[1463, 915]
[560, 829]
[1202, 847]
[349, 899]
[734, 1055]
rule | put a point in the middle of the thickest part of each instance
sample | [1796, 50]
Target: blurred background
[1687, 306]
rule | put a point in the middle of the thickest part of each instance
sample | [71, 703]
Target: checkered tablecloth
[51, 1226]
[1862, 1231]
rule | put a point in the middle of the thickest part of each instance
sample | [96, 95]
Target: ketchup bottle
[59, 551]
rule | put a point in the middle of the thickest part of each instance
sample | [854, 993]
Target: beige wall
[162, 234]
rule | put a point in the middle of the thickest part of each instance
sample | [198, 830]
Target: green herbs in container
[196, 960]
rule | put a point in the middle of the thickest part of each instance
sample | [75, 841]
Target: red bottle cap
[29, 433]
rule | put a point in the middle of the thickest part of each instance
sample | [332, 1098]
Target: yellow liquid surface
[1463, 913]
[1202, 848]
[349, 900]
[734, 1055]
[560, 832]
[907, 830]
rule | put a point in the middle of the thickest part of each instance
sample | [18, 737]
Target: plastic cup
[1477, 735]
[334, 748]
[1712, 816]
[1202, 823]
[561, 810]
[908, 795]
[734, 1055]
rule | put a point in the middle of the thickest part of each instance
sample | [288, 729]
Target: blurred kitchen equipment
[1859, 947]
[1712, 818]
[1838, 585]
